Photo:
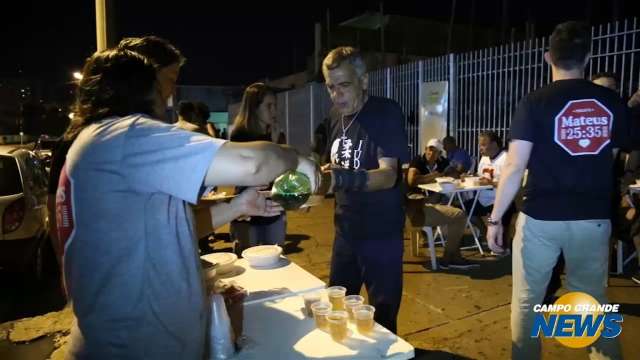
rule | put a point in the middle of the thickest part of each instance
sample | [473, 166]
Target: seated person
[632, 172]
[425, 169]
[606, 79]
[489, 169]
[627, 224]
[458, 157]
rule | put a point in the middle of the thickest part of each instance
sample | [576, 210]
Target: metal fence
[485, 86]
[402, 84]
[300, 111]
[490, 83]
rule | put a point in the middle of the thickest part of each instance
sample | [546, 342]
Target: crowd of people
[432, 164]
[124, 177]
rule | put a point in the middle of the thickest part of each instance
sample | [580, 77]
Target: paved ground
[23, 296]
[451, 314]
[444, 315]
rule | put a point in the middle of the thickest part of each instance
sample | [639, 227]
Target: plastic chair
[431, 242]
[620, 260]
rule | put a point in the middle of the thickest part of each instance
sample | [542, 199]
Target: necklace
[344, 129]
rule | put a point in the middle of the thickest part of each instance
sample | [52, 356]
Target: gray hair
[345, 53]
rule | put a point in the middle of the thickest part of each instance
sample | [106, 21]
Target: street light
[77, 75]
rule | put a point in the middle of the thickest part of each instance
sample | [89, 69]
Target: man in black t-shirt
[430, 165]
[564, 134]
[367, 144]
[610, 81]
[424, 169]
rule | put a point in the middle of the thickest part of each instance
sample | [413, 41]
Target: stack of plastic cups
[221, 344]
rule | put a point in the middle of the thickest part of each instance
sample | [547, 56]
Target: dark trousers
[374, 262]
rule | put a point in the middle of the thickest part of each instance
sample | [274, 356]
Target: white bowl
[263, 255]
[208, 269]
[224, 261]
[447, 186]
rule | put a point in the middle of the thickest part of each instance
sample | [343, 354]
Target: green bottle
[291, 190]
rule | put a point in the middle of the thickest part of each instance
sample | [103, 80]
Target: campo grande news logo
[577, 320]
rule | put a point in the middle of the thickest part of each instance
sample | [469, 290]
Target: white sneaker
[506, 252]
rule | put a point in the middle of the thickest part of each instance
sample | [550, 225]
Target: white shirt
[490, 169]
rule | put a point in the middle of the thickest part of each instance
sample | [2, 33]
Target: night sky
[241, 43]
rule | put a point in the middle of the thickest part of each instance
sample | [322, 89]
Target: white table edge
[436, 188]
[243, 262]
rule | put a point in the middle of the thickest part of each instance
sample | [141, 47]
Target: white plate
[281, 262]
[445, 179]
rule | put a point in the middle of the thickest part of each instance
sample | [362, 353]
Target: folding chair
[620, 260]
[431, 243]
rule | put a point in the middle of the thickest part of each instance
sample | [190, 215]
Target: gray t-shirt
[131, 262]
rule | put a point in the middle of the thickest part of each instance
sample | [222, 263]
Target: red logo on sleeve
[583, 127]
[64, 208]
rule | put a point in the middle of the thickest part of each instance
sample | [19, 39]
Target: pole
[451, 22]
[452, 124]
[505, 21]
[382, 27]
[328, 29]
[317, 48]
[101, 25]
[473, 20]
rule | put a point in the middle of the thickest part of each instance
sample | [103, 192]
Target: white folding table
[275, 325]
[285, 279]
[456, 193]
[279, 329]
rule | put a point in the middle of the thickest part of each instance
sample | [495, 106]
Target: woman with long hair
[167, 61]
[256, 117]
[257, 114]
[130, 259]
